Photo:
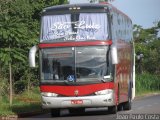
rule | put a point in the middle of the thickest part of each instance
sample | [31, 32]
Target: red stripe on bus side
[82, 90]
[69, 44]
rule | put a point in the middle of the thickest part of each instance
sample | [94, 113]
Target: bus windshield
[74, 64]
[74, 27]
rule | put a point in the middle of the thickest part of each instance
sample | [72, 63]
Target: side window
[119, 19]
[114, 25]
[110, 66]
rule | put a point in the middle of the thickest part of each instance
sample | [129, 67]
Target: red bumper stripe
[69, 44]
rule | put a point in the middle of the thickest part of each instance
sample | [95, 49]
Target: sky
[142, 12]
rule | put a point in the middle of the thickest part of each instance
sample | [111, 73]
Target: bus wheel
[112, 109]
[120, 107]
[127, 105]
[76, 110]
[55, 112]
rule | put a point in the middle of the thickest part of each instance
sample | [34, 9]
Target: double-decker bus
[86, 58]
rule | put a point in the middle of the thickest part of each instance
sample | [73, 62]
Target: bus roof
[68, 6]
[84, 6]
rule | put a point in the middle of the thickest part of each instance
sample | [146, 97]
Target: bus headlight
[104, 92]
[48, 94]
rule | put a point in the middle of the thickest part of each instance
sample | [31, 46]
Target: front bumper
[88, 101]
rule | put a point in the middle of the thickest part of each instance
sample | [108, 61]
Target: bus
[86, 58]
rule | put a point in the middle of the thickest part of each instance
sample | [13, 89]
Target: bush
[147, 83]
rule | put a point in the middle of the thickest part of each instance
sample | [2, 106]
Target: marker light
[74, 8]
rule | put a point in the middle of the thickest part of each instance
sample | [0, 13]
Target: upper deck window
[74, 27]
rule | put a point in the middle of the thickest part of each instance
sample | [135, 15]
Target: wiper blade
[69, 83]
[106, 79]
[102, 80]
[66, 82]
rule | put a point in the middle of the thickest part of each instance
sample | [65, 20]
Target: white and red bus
[86, 58]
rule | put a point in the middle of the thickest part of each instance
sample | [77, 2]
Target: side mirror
[114, 54]
[32, 56]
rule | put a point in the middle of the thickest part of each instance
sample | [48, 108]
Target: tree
[148, 43]
[11, 36]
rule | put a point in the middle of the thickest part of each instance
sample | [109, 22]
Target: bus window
[74, 27]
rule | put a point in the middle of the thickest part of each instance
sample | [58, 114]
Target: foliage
[5, 108]
[147, 83]
[24, 102]
[3, 87]
[147, 42]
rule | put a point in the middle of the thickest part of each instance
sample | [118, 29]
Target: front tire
[120, 107]
[112, 109]
[55, 112]
[127, 105]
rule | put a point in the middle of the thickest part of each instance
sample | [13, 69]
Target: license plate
[76, 101]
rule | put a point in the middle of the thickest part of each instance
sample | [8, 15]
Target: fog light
[109, 100]
[48, 103]
[43, 102]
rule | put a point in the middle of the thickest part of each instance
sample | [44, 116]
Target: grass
[28, 101]
[147, 84]
[18, 108]
[5, 109]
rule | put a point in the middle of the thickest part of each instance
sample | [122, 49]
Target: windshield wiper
[103, 80]
[69, 83]
[106, 79]
[66, 82]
